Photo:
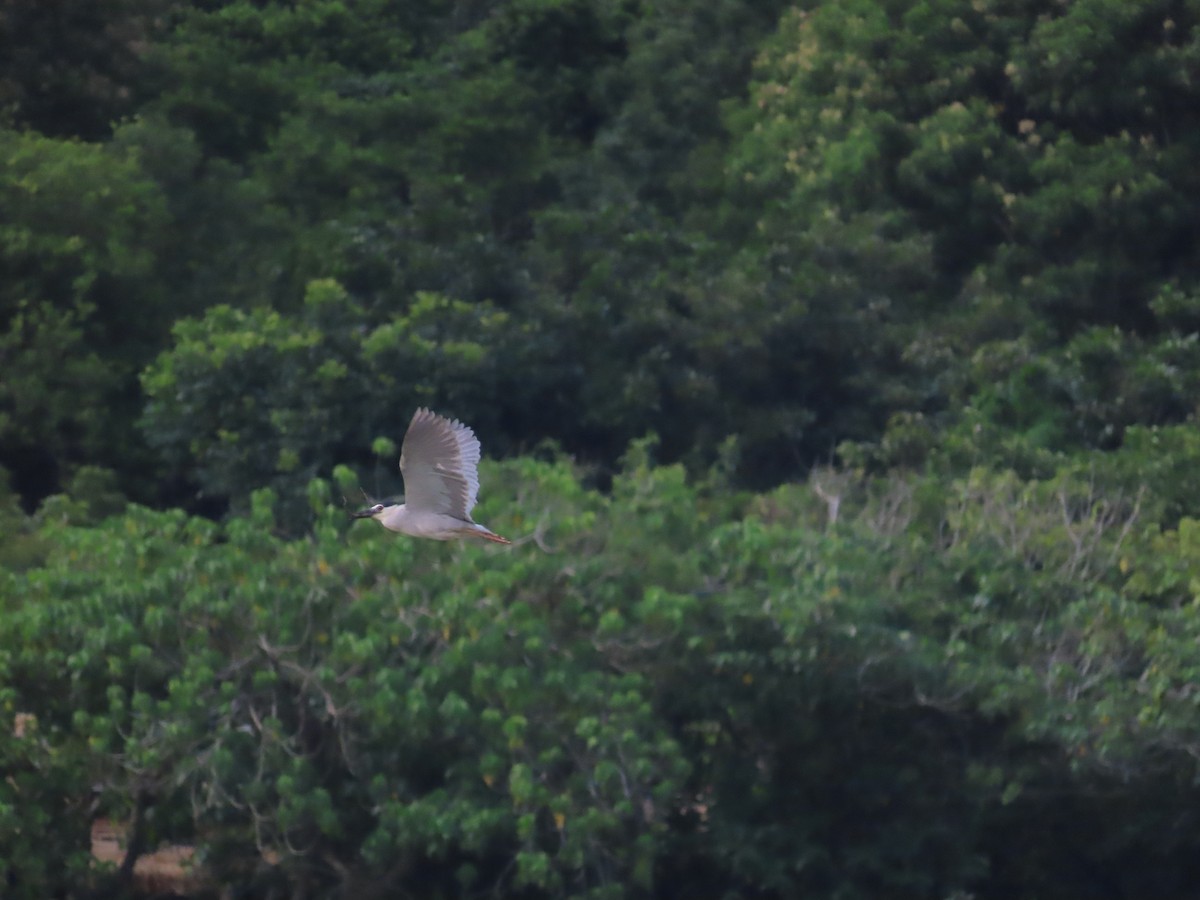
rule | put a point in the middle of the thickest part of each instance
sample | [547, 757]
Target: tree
[79, 306]
[73, 69]
[684, 691]
[247, 399]
[975, 134]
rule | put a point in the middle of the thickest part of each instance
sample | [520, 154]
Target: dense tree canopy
[793, 226]
[842, 362]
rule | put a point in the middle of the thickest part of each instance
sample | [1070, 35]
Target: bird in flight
[439, 461]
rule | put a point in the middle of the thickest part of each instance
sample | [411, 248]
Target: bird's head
[371, 512]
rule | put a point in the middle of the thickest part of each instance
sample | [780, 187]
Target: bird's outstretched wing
[440, 464]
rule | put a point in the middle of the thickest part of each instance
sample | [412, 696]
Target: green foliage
[984, 135]
[262, 399]
[660, 693]
[21, 547]
[951, 240]
[77, 302]
[72, 68]
[80, 221]
[483, 170]
[794, 227]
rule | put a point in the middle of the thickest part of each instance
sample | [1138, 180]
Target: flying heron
[439, 461]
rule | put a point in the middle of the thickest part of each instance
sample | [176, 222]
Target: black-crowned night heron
[439, 461]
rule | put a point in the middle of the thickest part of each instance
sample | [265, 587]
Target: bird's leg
[490, 536]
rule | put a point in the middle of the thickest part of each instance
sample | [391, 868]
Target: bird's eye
[378, 507]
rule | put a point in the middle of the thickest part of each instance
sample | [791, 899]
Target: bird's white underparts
[440, 464]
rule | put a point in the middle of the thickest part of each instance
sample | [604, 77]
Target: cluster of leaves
[665, 690]
[327, 386]
[243, 240]
[514, 155]
[893, 214]
[995, 194]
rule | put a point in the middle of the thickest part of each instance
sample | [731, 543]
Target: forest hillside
[836, 366]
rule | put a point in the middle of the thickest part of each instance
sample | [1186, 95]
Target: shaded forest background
[842, 359]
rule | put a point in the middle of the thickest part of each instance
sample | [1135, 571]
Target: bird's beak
[362, 514]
